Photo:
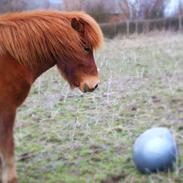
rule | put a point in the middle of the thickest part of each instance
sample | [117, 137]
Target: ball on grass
[155, 150]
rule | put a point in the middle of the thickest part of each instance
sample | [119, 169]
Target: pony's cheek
[61, 72]
[69, 75]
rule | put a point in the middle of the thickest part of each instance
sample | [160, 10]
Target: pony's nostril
[85, 88]
[96, 86]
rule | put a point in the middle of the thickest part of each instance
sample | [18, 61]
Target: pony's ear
[77, 25]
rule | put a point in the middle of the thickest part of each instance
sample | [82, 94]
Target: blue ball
[155, 150]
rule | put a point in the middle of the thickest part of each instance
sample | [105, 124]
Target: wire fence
[128, 27]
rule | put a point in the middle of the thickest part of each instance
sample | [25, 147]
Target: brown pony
[30, 44]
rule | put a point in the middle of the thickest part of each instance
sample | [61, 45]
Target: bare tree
[142, 9]
[99, 9]
[180, 8]
[21, 5]
[71, 5]
[154, 9]
[128, 8]
[180, 13]
[9, 5]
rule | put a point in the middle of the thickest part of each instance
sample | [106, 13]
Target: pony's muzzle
[89, 85]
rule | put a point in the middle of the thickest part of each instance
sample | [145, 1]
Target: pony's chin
[78, 88]
[72, 86]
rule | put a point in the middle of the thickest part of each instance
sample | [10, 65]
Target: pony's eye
[87, 49]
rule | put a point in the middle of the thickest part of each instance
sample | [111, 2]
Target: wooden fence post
[180, 23]
[136, 27]
[145, 25]
[128, 27]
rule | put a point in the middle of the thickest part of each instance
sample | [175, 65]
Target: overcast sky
[55, 1]
[172, 7]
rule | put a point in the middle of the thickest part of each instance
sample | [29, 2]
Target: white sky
[55, 1]
[172, 7]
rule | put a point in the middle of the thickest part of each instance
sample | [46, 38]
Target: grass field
[64, 136]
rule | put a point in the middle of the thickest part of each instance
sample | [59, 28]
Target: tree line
[101, 10]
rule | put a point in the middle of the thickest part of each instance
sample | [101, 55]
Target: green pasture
[64, 136]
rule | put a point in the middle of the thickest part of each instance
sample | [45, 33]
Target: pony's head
[67, 39]
[79, 68]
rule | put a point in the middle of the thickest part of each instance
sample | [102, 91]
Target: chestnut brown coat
[30, 44]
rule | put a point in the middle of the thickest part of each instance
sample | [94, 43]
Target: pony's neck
[29, 73]
[16, 79]
[40, 68]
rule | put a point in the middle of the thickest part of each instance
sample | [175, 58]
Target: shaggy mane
[32, 37]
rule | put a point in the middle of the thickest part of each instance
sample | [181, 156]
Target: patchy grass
[64, 136]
